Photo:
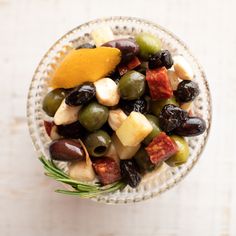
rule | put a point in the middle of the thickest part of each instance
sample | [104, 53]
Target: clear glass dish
[163, 178]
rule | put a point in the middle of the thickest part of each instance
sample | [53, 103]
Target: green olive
[156, 106]
[155, 131]
[183, 153]
[93, 116]
[148, 43]
[52, 101]
[97, 143]
[143, 162]
[132, 85]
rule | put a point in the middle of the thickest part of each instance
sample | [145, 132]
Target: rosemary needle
[81, 189]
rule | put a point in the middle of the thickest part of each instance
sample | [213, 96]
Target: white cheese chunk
[124, 152]
[182, 68]
[102, 35]
[134, 129]
[107, 92]
[66, 114]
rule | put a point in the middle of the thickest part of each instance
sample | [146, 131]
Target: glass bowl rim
[155, 25]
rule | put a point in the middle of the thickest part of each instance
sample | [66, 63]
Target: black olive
[74, 130]
[86, 45]
[129, 173]
[128, 47]
[191, 127]
[81, 94]
[155, 61]
[139, 105]
[187, 91]
[171, 117]
[160, 59]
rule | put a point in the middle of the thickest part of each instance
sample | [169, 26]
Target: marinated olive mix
[118, 109]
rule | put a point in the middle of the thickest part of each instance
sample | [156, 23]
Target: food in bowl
[119, 108]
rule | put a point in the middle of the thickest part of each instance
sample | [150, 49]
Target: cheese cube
[107, 92]
[134, 129]
[124, 152]
[65, 114]
[102, 35]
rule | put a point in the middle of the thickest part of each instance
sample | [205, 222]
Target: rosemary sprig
[83, 190]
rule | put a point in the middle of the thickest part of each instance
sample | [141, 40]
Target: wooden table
[203, 204]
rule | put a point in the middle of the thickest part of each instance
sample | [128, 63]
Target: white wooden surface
[203, 204]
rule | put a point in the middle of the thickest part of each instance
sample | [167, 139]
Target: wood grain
[203, 204]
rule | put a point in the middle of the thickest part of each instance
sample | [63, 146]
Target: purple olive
[66, 150]
[128, 47]
[193, 126]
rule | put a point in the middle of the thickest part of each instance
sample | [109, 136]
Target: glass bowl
[163, 178]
